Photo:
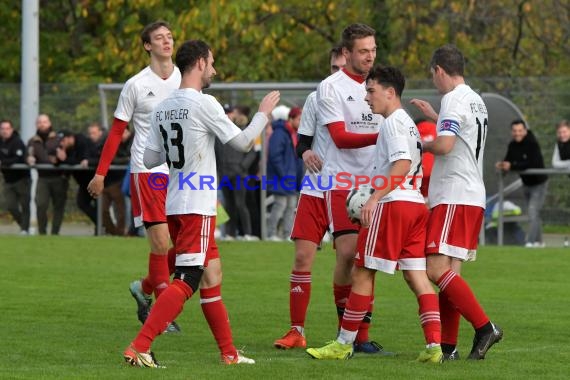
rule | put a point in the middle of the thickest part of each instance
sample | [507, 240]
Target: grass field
[66, 313]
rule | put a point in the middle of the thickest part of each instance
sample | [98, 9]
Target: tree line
[92, 41]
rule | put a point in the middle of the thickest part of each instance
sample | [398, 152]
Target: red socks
[158, 276]
[362, 335]
[299, 297]
[449, 320]
[460, 295]
[429, 317]
[356, 309]
[215, 312]
[167, 307]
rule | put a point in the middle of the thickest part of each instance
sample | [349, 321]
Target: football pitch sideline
[66, 313]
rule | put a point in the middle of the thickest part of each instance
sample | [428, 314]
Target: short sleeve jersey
[313, 184]
[457, 177]
[185, 125]
[399, 139]
[340, 98]
[139, 96]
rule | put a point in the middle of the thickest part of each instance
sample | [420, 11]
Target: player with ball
[394, 221]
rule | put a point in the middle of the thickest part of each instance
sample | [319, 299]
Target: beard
[206, 82]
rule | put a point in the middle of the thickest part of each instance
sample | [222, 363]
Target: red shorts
[148, 197]
[193, 239]
[338, 219]
[310, 220]
[395, 238]
[453, 230]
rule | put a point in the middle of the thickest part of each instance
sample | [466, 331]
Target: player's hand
[425, 108]
[269, 102]
[84, 163]
[312, 161]
[367, 211]
[31, 160]
[95, 187]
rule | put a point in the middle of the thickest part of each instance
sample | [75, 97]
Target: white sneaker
[529, 245]
[539, 244]
[274, 238]
[24, 233]
[240, 359]
[250, 238]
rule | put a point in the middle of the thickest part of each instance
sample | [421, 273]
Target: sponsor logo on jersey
[150, 94]
[350, 99]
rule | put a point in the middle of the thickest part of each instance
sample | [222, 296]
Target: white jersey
[399, 139]
[186, 125]
[340, 98]
[457, 177]
[139, 96]
[314, 184]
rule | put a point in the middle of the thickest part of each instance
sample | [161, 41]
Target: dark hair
[355, 32]
[450, 59]
[189, 53]
[145, 34]
[519, 121]
[335, 51]
[7, 121]
[388, 76]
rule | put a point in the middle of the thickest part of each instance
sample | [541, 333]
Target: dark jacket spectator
[17, 184]
[13, 151]
[52, 184]
[526, 154]
[282, 161]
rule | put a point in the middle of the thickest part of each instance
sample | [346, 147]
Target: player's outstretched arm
[425, 108]
[244, 140]
[269, 102]
[95, 187]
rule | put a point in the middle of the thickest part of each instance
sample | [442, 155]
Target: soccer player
[183, 132]
[353, 128]
[457, 200]
[310, 224]
[393, 221]
[148, 187]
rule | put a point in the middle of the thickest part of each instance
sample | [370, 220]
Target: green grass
[66, 313]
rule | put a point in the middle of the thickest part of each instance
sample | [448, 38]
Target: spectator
[75, 149]
[561, 155]
[524, 153]
[52, 184]
[283, 167]
[233, 169]
[17, 182]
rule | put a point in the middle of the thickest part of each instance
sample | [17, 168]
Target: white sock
[346, 336]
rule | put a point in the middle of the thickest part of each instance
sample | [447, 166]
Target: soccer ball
[356, 199]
